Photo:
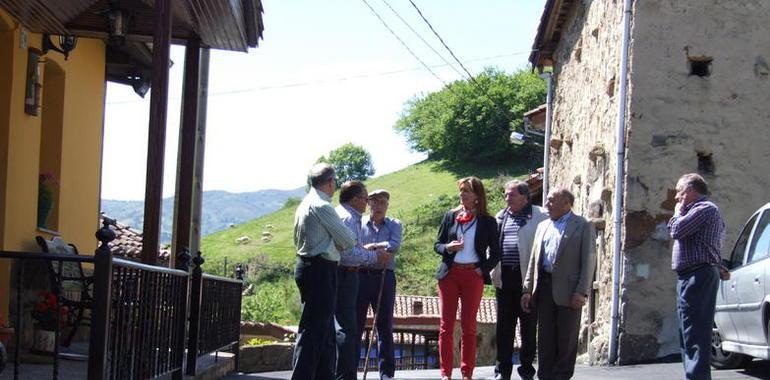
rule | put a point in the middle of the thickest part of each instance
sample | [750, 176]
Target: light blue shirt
[387, 236]
[357, 255]
[551, 240]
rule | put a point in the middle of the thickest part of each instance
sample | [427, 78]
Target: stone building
[697, 95]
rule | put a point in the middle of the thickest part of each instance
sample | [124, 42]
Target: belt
[347, 268]
[465, 266]
[373, 271]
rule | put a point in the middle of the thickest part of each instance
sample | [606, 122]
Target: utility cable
[422, 39]
[403, 43]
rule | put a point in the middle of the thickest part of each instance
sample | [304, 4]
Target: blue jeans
[345, 312]
[696, 301]
[368, 291]
[315, 354]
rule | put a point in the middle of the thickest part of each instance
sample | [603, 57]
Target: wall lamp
[67, 43]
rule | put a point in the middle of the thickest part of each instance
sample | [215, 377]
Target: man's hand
[383, 256]
[370, 246]
[724, 273]
[577, 301]
[455, 246]
[478, 272]
[678, 208]
[525, 298]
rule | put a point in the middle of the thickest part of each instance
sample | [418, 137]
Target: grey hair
[320, 174]
[520, 186]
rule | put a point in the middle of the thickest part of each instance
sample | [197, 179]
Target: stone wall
[583, 145]
[715, 124]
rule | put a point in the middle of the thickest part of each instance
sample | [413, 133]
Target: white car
[741, 322]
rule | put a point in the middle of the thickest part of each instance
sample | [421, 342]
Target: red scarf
[464, 217]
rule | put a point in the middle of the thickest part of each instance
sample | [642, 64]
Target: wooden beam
[186, 158]
[197, 220]
[153, 194]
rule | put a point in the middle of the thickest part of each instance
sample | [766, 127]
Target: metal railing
[414, 349]
[140, 313]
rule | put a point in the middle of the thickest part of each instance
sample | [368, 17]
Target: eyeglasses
[378, 202]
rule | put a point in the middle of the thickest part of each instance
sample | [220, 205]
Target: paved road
[667, 371]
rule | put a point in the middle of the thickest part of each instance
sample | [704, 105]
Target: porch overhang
[549, 32]
[226, 25]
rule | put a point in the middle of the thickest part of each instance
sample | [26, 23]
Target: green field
[420, 194]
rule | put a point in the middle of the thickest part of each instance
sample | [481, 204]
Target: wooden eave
[226, 25]
[549, 32]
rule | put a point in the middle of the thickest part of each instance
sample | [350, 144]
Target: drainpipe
[619, 175]
[547, 139]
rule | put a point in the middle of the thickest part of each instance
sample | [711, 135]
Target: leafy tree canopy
[472, 122]
[350, 162]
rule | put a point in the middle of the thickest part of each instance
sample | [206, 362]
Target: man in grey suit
[559, 276]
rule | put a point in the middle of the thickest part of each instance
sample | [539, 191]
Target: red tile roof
[407, 308]
[128, 243]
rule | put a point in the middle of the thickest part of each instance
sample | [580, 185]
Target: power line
[403, 43]
[422, 39]
[444, 43]
[327, 81]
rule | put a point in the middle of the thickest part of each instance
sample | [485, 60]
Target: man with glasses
[379, 232]
[353, 199]
[319, 236]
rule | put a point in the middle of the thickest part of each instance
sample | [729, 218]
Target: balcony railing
[140, 313]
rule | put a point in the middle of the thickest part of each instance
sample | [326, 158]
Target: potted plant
[46, 187]
[44, 317]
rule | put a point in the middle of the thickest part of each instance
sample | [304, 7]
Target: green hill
[420, 194]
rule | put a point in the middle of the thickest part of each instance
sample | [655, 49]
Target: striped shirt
[698, 232]
[357, 255]
[318, 230]
[510, 231]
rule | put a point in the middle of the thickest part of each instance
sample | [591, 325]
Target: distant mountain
[220, 209]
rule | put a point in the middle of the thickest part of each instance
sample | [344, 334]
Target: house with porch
[55, 60]
[643, 92]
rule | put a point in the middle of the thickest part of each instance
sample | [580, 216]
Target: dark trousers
[345, 312]
[315, 353]
[368, 290]
[697, 290]
[508, 314]
[558, 328]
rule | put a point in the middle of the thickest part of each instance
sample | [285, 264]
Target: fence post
[240, 271]
[100, 315]
[183, 264]
[196, 293]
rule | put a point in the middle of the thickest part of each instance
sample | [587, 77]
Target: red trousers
[465, 285]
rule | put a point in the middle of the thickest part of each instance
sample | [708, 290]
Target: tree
[468, 121]
[350, 162]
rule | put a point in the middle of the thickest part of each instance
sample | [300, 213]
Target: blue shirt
[698, 232]
[357, 255]
[551, 240]
[388, 236]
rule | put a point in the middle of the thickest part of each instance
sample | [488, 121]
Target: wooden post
[186, 157]
[153, 194]
[100, 315]
[200, 144]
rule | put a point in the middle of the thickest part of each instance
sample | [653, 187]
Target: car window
[760, 243]
[743, 240]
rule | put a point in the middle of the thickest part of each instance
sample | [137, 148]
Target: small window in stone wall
[699, 66]
[706, 163]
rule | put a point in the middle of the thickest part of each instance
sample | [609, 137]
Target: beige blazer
[575, 261]
[526, 237]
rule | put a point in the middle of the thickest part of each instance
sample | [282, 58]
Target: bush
[272, 302]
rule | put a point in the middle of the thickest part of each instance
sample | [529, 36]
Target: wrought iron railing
[147, 320]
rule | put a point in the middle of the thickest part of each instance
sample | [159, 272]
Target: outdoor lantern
[33, 84]
[118, 22]
[67, 44]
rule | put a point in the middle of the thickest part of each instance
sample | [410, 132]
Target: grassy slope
[417, 192]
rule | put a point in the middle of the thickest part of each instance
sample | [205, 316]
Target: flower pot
[44, 207]
[44, 341]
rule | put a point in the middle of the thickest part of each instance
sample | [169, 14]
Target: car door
[727, 297]
[750, 284]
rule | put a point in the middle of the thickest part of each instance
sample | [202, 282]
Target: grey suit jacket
[526, 236]
[575, 261]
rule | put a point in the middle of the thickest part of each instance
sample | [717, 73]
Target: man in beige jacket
[559, 276]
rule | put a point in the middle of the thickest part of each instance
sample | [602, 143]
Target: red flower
[464, 217]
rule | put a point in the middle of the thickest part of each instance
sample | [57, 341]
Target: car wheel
[721, 359]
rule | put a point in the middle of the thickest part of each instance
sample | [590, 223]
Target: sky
[325, 74]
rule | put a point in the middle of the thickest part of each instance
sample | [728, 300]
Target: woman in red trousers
[468, 244]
